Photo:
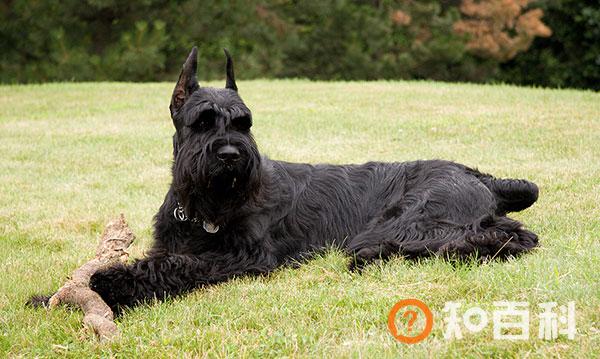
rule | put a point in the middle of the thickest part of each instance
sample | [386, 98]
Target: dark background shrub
[146, 40]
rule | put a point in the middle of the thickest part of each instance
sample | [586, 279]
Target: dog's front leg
[161, 276]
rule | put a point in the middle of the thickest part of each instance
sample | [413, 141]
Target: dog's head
[216, 161]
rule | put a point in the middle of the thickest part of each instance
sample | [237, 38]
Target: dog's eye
[242, 123]
[204, 121]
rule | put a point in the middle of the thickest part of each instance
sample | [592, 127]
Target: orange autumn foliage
[400, 17]
[500, 28]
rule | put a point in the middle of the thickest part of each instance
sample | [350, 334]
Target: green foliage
[81, 40]
[349, 40]
[146, 40]
[570, 57]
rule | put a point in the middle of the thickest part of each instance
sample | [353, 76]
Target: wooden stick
[112, 249]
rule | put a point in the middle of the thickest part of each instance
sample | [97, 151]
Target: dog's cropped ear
[230, 82]
[187, 83]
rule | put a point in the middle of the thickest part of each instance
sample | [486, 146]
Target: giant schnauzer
[230, 211]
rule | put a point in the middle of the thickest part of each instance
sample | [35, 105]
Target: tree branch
[112, 249]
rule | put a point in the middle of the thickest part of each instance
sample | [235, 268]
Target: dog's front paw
[115, 285]
[38, 301]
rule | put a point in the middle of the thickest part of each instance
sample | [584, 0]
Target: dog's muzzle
[228, 154]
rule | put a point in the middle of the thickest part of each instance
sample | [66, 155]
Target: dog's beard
[214, 191]
[223, 179]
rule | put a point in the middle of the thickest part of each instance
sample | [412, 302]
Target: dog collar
[179, 214]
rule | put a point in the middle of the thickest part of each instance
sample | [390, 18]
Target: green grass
[72, 156]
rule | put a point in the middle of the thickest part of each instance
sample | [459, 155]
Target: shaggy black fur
[270, 213]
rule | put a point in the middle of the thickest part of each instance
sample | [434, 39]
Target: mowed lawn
[73, 156]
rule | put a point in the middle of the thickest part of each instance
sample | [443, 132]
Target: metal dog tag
[179, 214]
[209, 227]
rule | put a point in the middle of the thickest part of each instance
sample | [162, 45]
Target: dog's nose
[228, 153]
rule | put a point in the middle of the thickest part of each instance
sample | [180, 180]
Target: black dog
[231, 212]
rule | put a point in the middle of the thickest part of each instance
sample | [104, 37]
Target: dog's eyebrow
[202, 110]
[196, 111]
[231, 112]
[237, 112]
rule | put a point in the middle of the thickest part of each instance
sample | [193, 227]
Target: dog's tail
[512, 195]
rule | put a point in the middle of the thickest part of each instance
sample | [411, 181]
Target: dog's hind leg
[491, 237]
[398, 236]
[488, 238]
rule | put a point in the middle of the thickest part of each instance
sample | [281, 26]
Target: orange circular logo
[420, 315]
